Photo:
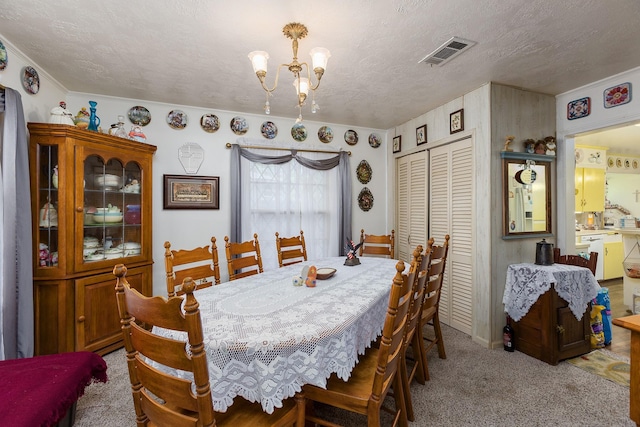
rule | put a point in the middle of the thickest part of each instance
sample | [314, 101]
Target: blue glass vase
[94, 121]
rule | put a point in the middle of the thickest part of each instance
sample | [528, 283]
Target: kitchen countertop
[601, 231]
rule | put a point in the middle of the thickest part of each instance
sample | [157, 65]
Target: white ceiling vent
[449, 50]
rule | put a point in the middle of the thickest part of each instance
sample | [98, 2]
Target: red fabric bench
[43, 390]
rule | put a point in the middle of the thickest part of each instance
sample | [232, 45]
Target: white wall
[191, 228]
[600, 117]
[621, 190]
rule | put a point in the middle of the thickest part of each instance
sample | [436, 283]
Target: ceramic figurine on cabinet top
[136, 134]
[82, 118]
[529, 145]
[540, 147]
[61, 116]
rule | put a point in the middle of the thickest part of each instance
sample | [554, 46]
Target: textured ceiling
[194, 52]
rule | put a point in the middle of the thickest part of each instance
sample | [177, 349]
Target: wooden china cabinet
[91, 209]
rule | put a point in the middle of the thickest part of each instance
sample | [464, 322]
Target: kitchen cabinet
[75, 172]
[613, 257]
[590, 189]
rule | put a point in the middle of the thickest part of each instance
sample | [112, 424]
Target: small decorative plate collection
[325, 134]
[299, 132]
[177, 119]
[209, 123]
[374, 140]
[239, 125]
[365, 199]
[269, 130]
[364, 172]
[30, 80]
[139, 115]
[351, 137]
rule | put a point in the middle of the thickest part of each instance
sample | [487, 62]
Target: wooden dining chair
[291, 250]
[201, 264]
[160, 398]
[243, 259]
[377, 245]
[417, 278]
[376, 372]
[431, 302]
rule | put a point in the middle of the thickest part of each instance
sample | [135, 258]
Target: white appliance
[596, 244]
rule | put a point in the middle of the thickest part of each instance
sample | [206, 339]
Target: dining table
[265, 337]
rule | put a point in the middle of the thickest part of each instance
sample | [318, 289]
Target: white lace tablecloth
[266, 338]
[526, 282]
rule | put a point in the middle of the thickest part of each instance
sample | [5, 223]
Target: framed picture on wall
[397, 143]
[456, 121]
[421, 134]
[191, 192]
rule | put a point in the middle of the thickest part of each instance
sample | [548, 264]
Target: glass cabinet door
[112, 211]
[47, 200]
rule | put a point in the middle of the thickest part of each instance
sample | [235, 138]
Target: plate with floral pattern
[4, 59]
[325, 134]
[299, 132]
[209, 123]
[139, 115]
[30, 80]
[364, 172]
[239, 125]
[351, 137]
[269, 130]
[365, 199]
[177, 119]
[374, 140]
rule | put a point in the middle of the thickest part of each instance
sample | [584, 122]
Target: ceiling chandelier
[319, 55]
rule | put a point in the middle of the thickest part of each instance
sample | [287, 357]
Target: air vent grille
[449, 50]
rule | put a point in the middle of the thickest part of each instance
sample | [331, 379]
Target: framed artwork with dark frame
[456, 121]
[397, 143]
[191, 192]
[421, 135]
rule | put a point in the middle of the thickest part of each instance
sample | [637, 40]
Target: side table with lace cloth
[266, 338]
[526, 282]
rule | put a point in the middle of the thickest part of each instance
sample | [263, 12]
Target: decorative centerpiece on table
[352, 249]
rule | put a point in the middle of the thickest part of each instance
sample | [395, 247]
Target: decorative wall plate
[177, 119]
[209, 123]
[30, 80]
[269, 130]
[374, 140]
[617, 95]
[618, 162]
[365, 199]
[239, 125]
[4, 58]
[627, 163]
[139, 115]
[325, 134]
[610, 162]
[634, 164]
[299, 132]
[579, 155]
[364, 172]
[579, 108]
[351, 137]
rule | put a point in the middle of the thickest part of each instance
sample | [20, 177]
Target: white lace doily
[526, 282]
[266, 338]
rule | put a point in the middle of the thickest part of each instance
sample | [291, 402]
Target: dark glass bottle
[508, 336]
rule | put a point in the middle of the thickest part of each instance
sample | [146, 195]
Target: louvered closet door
[451, 199]
[411, 207]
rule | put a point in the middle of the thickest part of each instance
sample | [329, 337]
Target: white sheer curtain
[287, 198]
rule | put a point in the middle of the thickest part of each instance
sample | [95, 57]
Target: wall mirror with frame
[526, 182]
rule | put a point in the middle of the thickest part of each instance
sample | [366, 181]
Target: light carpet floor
[473, 386]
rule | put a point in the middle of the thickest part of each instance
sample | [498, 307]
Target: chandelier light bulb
[267, 108]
